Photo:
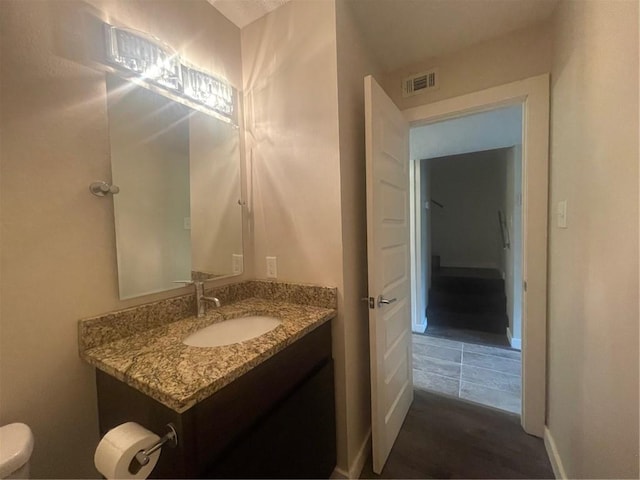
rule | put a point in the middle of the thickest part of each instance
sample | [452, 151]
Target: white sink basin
[231, 331]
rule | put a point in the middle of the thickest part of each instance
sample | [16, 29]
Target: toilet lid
[16, 445]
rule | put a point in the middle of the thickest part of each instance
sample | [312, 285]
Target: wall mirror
[178, 214]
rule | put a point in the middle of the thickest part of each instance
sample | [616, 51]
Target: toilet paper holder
[143, 456]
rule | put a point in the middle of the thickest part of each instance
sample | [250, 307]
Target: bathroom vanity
[262, 408]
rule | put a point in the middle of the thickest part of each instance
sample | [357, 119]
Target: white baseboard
[339, 474]
[514, 342]
[554, 456]
[358, 463]
[419, 327]
[363, 453]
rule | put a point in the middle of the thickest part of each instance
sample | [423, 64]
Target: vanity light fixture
[208, 90]
[144, 56]
[151, 60]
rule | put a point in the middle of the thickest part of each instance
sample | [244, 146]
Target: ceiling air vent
[420, 82]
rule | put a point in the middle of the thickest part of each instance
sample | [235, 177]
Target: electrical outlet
[272, 267]
[237, 263]
[186, 223]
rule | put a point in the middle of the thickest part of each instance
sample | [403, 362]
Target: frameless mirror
[177, 214]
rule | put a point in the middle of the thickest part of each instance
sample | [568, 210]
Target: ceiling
[498, 128]
[404, 32]
[243, 12]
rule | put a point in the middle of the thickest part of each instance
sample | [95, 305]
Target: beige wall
[58, 241]
[471, 186]
[291, 103]
[289, 63]
[593, 264]
[354, 63]
[514, 56]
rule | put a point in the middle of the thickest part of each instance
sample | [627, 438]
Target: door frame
[416, 204]
[533, 94]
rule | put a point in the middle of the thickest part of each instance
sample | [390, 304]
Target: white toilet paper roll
[118, 447]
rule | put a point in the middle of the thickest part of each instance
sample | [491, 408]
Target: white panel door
[388, 249]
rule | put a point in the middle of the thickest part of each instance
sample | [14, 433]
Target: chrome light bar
[153, 61]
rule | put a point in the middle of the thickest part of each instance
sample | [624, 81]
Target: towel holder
[101, 188]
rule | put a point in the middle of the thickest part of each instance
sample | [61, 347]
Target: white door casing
[533, 94]
[388, 250]
[417, 205]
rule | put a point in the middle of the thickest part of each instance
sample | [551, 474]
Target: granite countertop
[157, 363]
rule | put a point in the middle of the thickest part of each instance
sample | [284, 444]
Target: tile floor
[482, 374]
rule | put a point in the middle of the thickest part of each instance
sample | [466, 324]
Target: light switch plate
[561, 214]
[186, 223]
[272, 267]
[237, 263]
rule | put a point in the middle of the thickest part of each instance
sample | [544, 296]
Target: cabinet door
[296, 440]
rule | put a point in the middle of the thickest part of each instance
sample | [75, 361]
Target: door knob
[385, 301]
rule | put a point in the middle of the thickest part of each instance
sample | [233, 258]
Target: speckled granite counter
[154, 360]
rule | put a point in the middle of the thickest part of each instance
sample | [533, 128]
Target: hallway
[444, 437]
[487, 375]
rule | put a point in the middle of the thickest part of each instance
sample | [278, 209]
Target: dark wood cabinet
[275, 421]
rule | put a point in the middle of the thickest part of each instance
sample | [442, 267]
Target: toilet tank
[16, 445]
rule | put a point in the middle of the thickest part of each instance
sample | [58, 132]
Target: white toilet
[16, 445]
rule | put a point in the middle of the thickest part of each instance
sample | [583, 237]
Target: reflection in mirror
[177, 215]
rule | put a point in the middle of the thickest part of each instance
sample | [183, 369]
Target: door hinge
[524, 286]
[370, 301]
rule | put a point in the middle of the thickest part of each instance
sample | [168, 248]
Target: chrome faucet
[201, 298]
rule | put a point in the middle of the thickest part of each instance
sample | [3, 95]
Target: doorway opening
[466, 193]
[390, 248]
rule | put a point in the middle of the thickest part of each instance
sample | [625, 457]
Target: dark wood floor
[443, 437]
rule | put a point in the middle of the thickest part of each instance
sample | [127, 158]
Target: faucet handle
[185, 282]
